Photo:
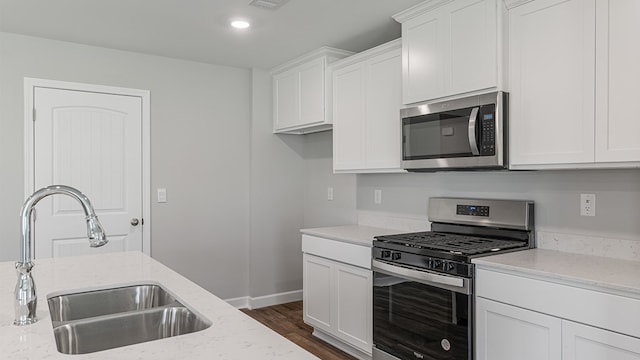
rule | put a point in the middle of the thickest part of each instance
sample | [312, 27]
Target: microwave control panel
[487, 118]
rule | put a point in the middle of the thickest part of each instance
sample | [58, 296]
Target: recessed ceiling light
[240, 24]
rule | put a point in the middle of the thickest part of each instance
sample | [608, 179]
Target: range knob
[436, 264]
[395, 256]
[385, 254]
[448, 266]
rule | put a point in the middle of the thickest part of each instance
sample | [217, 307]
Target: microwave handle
[473, 118]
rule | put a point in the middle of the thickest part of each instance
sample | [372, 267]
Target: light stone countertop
[355, 234]
[615, 276]
[232, 335]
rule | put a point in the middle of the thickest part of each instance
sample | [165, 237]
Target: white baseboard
[264, 301]
[239, 303]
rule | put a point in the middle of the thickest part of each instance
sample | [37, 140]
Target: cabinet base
[341, 345]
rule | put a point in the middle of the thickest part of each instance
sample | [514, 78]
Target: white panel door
[505, 332]
[354, 306]
[311, 81]
[383, 127]
[348, 118]
[286, 100]
[618, 71]
[472, 45]
[423, 57]
[581, 342]
[552, 62]
[317, 291]
[93, 142]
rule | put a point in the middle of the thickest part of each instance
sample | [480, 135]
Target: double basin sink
[90, 321]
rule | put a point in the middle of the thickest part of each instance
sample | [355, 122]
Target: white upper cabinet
[366, 111]
[573, 74]
[450, 48]
[618, 76]
[300, 92]
[552, 61]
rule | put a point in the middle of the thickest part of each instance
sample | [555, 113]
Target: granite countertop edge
[354, 234]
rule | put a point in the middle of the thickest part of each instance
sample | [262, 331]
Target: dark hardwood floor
[286, 320]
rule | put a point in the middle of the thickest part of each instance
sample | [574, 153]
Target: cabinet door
[618, 118]
[581, 342]
[505, 332]
[348, 118]
[423, 58]
[312, 81]
[317, 291]
[471, 45]
[354, 306]
[383, 101]
[552, 62]
[285, 92]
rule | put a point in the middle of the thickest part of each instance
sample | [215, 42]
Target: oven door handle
[473, 118]
[457, 284]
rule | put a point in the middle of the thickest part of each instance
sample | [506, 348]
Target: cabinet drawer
[356, 255]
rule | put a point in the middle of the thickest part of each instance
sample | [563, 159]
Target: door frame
[29, 147]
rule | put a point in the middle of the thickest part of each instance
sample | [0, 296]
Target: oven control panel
[439, 265]
[472, 210]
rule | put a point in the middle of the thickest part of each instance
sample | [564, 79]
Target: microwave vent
[268, 4]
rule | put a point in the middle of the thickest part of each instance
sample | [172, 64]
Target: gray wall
[277, 187]
[318, 211]
[200, 134]
[289, 179]
[556, 194]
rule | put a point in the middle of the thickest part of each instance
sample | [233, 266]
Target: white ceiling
[198, 29]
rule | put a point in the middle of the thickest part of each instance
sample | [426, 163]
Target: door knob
[135, 222]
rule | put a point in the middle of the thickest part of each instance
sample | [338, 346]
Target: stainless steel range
[423, 282]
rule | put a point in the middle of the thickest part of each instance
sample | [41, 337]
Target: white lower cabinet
[317, 293]
[337, 300]
[581, 342]
[507, 332]
[534, 319]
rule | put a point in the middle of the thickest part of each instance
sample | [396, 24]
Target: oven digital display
[472, 210]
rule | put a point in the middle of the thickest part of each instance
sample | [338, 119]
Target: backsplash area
[590, 245]
[614, 231]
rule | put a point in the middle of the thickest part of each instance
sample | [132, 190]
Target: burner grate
[453, 243]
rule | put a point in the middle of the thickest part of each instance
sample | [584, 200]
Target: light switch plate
[377, 196]
[162, 195]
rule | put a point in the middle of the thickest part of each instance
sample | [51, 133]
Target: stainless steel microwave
[463, 134]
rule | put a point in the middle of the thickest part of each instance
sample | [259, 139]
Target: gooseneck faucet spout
[25, 294]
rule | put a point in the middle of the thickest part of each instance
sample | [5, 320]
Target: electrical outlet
[587, 204]
[330, 193]
[377, 196]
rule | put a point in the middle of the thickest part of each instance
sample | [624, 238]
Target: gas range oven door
[420, 315]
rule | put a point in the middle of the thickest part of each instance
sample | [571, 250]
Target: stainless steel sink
[82, 305]
[90, 321]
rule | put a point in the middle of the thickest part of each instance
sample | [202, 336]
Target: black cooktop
[450, 243]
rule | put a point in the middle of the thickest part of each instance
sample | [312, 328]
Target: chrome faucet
[25, 296]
